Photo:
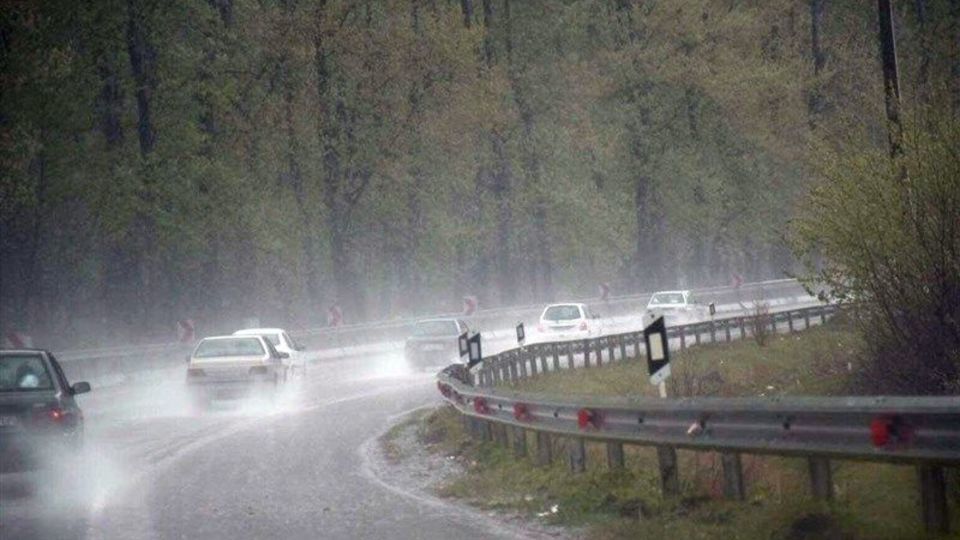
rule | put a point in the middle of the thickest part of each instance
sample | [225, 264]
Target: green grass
[872, 500]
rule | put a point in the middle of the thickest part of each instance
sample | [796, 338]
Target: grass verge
[872, 500]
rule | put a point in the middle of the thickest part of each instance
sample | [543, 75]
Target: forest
[219, 159]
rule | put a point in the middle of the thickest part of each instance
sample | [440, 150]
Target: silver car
[227, 367]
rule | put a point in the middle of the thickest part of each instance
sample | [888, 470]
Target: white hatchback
[281, 340]
[560, 322]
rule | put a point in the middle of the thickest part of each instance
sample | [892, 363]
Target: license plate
[9, 421]
[433, 347]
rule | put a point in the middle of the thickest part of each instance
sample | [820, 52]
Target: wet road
[300, 468]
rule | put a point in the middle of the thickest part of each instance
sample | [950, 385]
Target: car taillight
[54, 415]
[258, 370]
[583, 325]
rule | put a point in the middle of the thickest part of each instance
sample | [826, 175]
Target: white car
[560, 322]
[676, 307]
[281, 340]
[225, 367]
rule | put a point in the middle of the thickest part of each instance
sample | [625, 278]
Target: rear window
[274, 339]
[211, 348]
[666, 298]
[19, 373]
[562, 313]
[436, 328]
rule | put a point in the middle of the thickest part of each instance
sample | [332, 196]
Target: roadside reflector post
[615, 456]
[577, 455]
[658, 366]
[732, 476]
[474, 350]
[933, 499]
[544, 449]
[821, 478]
[521, 334]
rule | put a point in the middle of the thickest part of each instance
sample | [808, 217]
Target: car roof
[683, 292]
[564, 304]
[258, 331]
[212, 338]
[24, 351]
[449, 319]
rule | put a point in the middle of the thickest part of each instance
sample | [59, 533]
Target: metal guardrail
[923, 431]
[393, 330]
[95, 363]
[521, 362]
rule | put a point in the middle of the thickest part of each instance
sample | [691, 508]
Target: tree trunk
[143, 65]
[815, 105]
[923, 32]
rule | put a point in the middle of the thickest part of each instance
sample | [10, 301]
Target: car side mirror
[283, 355]
[80, 388]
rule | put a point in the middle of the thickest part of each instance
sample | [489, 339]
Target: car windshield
[561, 313]
[436, 328]
[210, 348]
[20, 373]
[666, 298]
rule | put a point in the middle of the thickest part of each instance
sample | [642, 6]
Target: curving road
[297, 469]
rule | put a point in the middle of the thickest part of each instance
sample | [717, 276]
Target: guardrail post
[669, 477]
[610, 349]
[544, 449]
[933, 498]
[577, 455]
[544, 365]
[823, 315]
[713, 332]
[821, 478]
[556, 356]
[586, 353]
[570, 364]
[530, 356]
[696, 333]
[486, 430]
[623, 348]
[743, 328]
[520, 361]
[790, 321]
[514, 372]
[726, 330]
[806, 319]
[636, 344]
[683, 337]
[615, 456]
[732, 476]
[519, 442]
[500, 435]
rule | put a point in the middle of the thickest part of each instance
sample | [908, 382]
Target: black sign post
[462, 341]
[521, 335]
[658, 352]
[476, 356]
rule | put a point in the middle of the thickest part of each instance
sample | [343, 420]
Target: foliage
[217, 160]
[886, 236]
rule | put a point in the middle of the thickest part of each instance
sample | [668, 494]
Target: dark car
[434, 342]
[39, 417]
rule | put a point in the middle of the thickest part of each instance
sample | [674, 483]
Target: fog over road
[296, 469]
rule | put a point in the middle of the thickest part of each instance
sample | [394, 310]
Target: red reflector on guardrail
[880, 431]
[521, 412]
[587, 418]
[480, 405]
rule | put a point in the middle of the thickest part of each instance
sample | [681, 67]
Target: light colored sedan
[561, 322]
[281, 340]
[225, 367]
[676, 307]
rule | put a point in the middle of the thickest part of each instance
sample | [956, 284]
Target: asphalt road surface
[298, 468]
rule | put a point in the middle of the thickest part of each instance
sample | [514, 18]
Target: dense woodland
[219, 159]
